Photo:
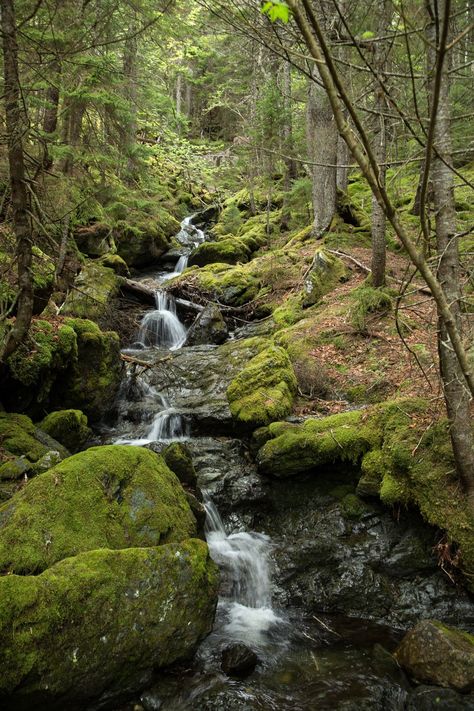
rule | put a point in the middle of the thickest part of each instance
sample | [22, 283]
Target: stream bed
[320, 596]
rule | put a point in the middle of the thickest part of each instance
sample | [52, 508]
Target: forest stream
[284, 550]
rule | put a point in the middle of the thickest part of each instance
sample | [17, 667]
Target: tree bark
[379, 251]
[456, 393]
[16, 128]
[50, 118]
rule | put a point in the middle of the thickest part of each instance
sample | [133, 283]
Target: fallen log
[146, 294]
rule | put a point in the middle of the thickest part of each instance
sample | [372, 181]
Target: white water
[190, 237]
[244, 559]
[162, 327]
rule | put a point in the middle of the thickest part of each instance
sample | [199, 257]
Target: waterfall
[162, 326]
[244, 560]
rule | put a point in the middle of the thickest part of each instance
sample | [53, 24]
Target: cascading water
[162, 327]
[244, 560]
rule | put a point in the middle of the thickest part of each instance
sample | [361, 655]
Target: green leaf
[276, 11]
[367, 35]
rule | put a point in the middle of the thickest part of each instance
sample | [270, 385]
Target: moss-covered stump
[67, 426]
[92, 381]
[226, 251]
[294, 449]
[326, 271]
[106, 497]
[264, 390]
[93, 292]
[101, 623]
[434, 653]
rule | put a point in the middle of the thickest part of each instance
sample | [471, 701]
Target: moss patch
[93, 292]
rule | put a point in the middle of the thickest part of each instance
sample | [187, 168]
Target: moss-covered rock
[264, 390]
[178, 458]
[343, 438]
[326, 271]
[92, 381]
[232, 286]
[101, 623]
[67, 426]
[226, 251]
[105, 497]
[95, 239]
[435, 653]
[115, 262]
[93, 292]
[146, 240]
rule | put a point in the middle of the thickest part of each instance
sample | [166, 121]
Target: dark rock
[434, 653]
[238, 660]
[427, 698]
[209, 327]
[178, 457]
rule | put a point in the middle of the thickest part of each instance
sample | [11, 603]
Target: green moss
[48, 348]
[115, 262]
[353, 508]
[67, 426]
[92, 381]
[18, 436]
[368, 301]
[227, 251]
[94, 289]
[372, 468]
[325, 273]
[178, 458]
[264, 390]
[232, 286]
[342, 438]
[290, 312]
[106, 497]
[103, 619]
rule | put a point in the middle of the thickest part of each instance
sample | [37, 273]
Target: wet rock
[434, 653]
[238, 660]
[146, 241]
[209, 327]
[68, 427]
[427, 698]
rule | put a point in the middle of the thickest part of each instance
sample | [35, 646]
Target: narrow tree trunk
[287, 142]
[50, 119]
[456, 393]
[380, 150]
[342, 171]
[16, 127]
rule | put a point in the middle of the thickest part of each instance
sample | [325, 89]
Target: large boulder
[264, 390]
[106, 497]
[93, 292]
[434, 653]
[99, 624]
[209, 327]
[145, 241]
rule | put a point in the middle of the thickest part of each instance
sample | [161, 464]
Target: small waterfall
[181, 264]
[162, 327]
[244, 559]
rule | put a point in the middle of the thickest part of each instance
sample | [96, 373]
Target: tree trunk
[16, 127]
[456, 393]
[130, 77]
[322, 149]
[50, 119]
[380, 148]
